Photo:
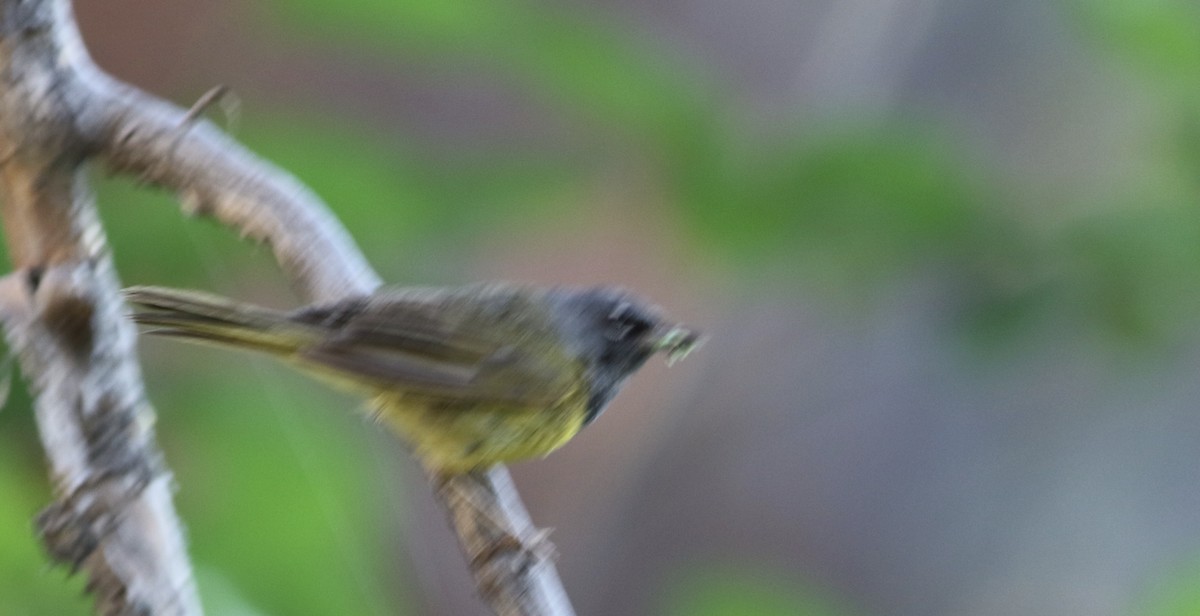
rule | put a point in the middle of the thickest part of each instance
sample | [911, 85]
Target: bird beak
[676, 340]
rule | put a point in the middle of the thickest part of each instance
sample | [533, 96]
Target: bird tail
[206, 318]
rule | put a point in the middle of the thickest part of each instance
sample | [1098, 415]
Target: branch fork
[61, 311]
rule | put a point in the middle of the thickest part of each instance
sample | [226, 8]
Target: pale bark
[113, 516]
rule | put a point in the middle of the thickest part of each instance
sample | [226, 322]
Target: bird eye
[625, 322]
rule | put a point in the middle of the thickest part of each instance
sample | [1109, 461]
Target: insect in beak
[676, 340]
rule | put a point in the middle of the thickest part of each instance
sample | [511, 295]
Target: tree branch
[215, 176]
[62, 313]
[160, 144]
[511, 559]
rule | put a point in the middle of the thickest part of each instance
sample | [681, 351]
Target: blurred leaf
[278, 491]
[581, 60]
[395, 202]
[853, 201]
[23, 563]
[1160, 35]
[221, 596]
[152, 241]
[1135, 268]
[878, 194]
[1176, 594]
[863, 200]
[728, 591]
[1183, 154]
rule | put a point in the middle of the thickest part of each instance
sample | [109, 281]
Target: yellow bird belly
[464, 436]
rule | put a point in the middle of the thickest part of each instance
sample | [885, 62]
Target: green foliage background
[281, 497]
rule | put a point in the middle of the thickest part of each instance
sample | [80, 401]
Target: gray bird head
[615, 333]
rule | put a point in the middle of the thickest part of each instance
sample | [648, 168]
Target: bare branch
[512, 560]
[61, 311]
[215, 176]
[159, 143]
[112, 516]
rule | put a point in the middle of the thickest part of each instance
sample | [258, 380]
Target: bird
[469, 377]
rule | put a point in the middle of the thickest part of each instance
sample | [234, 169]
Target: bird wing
[452, 349]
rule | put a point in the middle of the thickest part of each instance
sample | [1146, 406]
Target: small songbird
[470, 377]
